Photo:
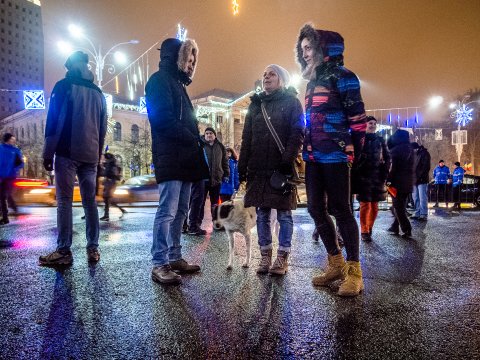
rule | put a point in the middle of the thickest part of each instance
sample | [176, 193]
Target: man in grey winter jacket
[74, 135]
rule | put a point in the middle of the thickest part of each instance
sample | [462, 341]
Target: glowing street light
[98, 58]
[435, 101]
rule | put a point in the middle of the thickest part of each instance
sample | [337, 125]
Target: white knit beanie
[282, 73]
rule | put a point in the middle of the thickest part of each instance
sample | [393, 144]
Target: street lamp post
[98, 59]
[462, 115]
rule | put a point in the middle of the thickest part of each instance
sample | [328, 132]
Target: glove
[286, 169]
[242, 177]
[48, 164]
[226, 179]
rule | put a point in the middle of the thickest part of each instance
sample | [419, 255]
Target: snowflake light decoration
[235, 7]
[463, 115]
[181, 33]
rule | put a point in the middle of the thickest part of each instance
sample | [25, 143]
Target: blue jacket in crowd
[441, 174]
[457, 176]
[11, 161]
[228, 188]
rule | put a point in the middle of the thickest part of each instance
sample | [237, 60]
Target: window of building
[135, 133]
[117, 132]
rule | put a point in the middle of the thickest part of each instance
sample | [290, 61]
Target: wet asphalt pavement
[421, 299]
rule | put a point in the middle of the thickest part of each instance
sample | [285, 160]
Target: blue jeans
[167, 226]
[264, 230]
[420, 200]
[65, 172]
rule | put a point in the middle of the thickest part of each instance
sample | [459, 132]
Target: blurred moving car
[137, 189]
[469, 191]
[33, 191]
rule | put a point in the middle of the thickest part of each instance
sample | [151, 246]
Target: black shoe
[183, 267]
[83, 217]
[414, 217]
[105, 218]
[366, 237]
[199, 232]
[436, 205]
[407, 234]
[422, 218]
[393, 230]
[4, 221]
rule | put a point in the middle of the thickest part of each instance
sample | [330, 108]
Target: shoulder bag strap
[272, 130]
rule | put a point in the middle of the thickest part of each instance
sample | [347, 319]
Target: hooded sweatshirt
[335, 114]
[77, 118]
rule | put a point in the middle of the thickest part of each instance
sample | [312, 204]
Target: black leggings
[328, 191]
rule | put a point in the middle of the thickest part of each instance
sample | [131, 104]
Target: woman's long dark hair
[234, 154]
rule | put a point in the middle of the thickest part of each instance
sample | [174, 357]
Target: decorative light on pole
[462, 115]
[98, 58]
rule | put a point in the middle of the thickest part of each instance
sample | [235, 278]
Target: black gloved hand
[242, 177]
[48, 164]
[286, 169]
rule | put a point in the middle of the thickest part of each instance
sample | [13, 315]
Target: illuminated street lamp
[98, 59]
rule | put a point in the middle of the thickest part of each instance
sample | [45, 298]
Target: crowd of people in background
[339, 145]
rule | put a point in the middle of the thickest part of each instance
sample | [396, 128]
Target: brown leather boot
[265, 262]
[332, 272]
[280, 265]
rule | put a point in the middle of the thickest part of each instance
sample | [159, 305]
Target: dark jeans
[328, 189]
[225, 197]
[196, 203]
[6, 186]
[400, 212]
[456, 194]
[441, 189]
[214, 193]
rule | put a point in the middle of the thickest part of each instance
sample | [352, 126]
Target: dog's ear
[225, 210]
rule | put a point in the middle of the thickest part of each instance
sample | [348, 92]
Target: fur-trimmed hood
[328, 44]
[174, 55]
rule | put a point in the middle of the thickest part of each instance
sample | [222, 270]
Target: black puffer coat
[177, 151]
[260, 156]
[422, 165]
[402, 174]
[372, 170]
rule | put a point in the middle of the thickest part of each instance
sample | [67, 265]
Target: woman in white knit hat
[261, 156]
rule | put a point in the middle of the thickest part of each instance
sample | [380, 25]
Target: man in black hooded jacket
[177, 154]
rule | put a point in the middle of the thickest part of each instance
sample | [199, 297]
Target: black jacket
[260, 156]
[176, 145]
[402, 174]
[422, 166]
[372, 170]
[218, 165]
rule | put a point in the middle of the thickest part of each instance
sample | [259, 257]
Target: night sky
[403, 51]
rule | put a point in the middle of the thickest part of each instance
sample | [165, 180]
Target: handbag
[278, 181]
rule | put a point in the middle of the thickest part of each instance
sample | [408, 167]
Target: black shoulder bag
[278, 181]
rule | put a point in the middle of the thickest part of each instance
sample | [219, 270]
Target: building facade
[21, 52]
[225, 112]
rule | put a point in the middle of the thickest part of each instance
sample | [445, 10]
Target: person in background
[74, 136]
[457, 181]
[420, 190]
[441, 174]
[112, 174]
[401, 178]
[335, 131]
[11, 161]
[372, 170]
[260, 157]
[219, 172]
[229, 188]
[177, 155]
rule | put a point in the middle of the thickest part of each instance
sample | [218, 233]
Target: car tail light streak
[32, 183]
